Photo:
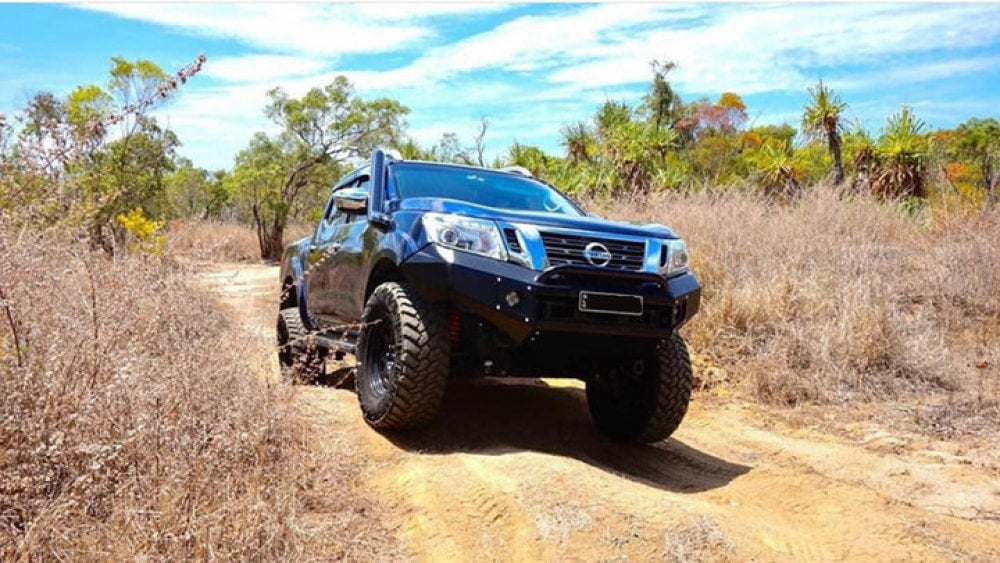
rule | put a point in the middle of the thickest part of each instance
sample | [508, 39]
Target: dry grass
[831, 301]
[698, 540]
[222, 241]
[133, 425]
[213, 241]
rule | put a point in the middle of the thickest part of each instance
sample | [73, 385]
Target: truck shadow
[493, 419]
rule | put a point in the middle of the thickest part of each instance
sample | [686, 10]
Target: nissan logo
[597, 254]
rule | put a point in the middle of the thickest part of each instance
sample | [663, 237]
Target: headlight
[675, 260]
[478, 236]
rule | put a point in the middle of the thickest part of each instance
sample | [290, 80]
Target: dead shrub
[831, 300]
[701, 539]
[134, 421]
[213, 241]
[222, 241]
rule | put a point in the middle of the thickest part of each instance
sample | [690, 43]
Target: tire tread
[422, 360]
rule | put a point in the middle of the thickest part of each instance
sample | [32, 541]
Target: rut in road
[516, 471]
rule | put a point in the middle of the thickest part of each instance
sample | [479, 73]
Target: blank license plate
[612, 303]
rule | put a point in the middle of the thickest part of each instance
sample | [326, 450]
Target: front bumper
[548, 301]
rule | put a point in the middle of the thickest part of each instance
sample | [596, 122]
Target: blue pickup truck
[428, 271]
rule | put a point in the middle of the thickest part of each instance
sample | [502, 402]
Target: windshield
[482, 187]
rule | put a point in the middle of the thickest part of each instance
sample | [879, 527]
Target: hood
[440, 205]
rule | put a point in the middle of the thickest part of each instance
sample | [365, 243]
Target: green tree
[530, 157]
[822, 117]
[256, 180]
[450, 149]
[325, 127]
[632, 147]
[979, 144]
[409, 149]
[860, 150]
[779, 169]
[194, 192]
[86, 159]
[902, 152]
[579, 142]
[664, 104]
[756, 136]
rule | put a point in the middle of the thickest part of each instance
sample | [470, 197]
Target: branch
[14, 326]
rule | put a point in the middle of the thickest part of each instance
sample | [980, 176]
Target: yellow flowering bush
[143, 233]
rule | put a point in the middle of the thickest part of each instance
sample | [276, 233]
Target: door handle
[326, 248]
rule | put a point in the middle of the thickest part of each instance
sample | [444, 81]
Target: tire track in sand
[516, 472]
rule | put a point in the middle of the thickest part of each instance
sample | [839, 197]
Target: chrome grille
[564, 249]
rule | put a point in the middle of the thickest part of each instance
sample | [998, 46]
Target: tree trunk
[991, 179]
[833, 138]
[271, 239]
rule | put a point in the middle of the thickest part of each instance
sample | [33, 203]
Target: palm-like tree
[822, 118]
[903, 151]
[529, 157]
[859, 143]
[779, 169]
[410, 150]
[578, 141]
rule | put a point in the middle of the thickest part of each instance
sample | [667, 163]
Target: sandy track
[517, 472]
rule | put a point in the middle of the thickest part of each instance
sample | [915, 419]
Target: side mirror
[352, 200]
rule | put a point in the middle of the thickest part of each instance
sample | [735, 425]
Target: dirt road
[516, 472]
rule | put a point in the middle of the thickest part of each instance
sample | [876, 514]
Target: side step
[335, 343]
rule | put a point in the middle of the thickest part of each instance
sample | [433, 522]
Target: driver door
[326, 243]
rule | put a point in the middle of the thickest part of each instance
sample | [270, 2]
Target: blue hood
[456, 207]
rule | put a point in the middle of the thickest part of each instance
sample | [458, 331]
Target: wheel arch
[293, 291]
[384, 270]
[289, 296]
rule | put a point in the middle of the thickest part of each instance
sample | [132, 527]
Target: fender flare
[299, 280]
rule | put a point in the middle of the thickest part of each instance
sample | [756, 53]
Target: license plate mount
[610, 303]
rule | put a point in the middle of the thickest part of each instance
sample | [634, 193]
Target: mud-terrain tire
[299, 360]
[646, 402]
[402, 359]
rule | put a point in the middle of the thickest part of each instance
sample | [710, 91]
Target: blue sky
[530, 69]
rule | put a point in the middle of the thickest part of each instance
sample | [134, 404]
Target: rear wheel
[403, 359]
[647, 400]
[300, 361]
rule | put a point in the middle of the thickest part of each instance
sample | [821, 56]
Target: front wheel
[402, 359]
[646, 401]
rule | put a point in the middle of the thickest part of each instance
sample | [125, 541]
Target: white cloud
[533, 43]
[765, 49]
[918, 73]
[315, 29]
[533, 73]
[748, 49]
[402, 11]
[261, 68]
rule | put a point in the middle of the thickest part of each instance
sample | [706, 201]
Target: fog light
[512, 299]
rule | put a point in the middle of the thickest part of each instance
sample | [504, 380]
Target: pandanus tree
[860, 149]
[634, 147]
[902, 151]
[822, 118]
[528, 156]
[779, 170]
[579, 142]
